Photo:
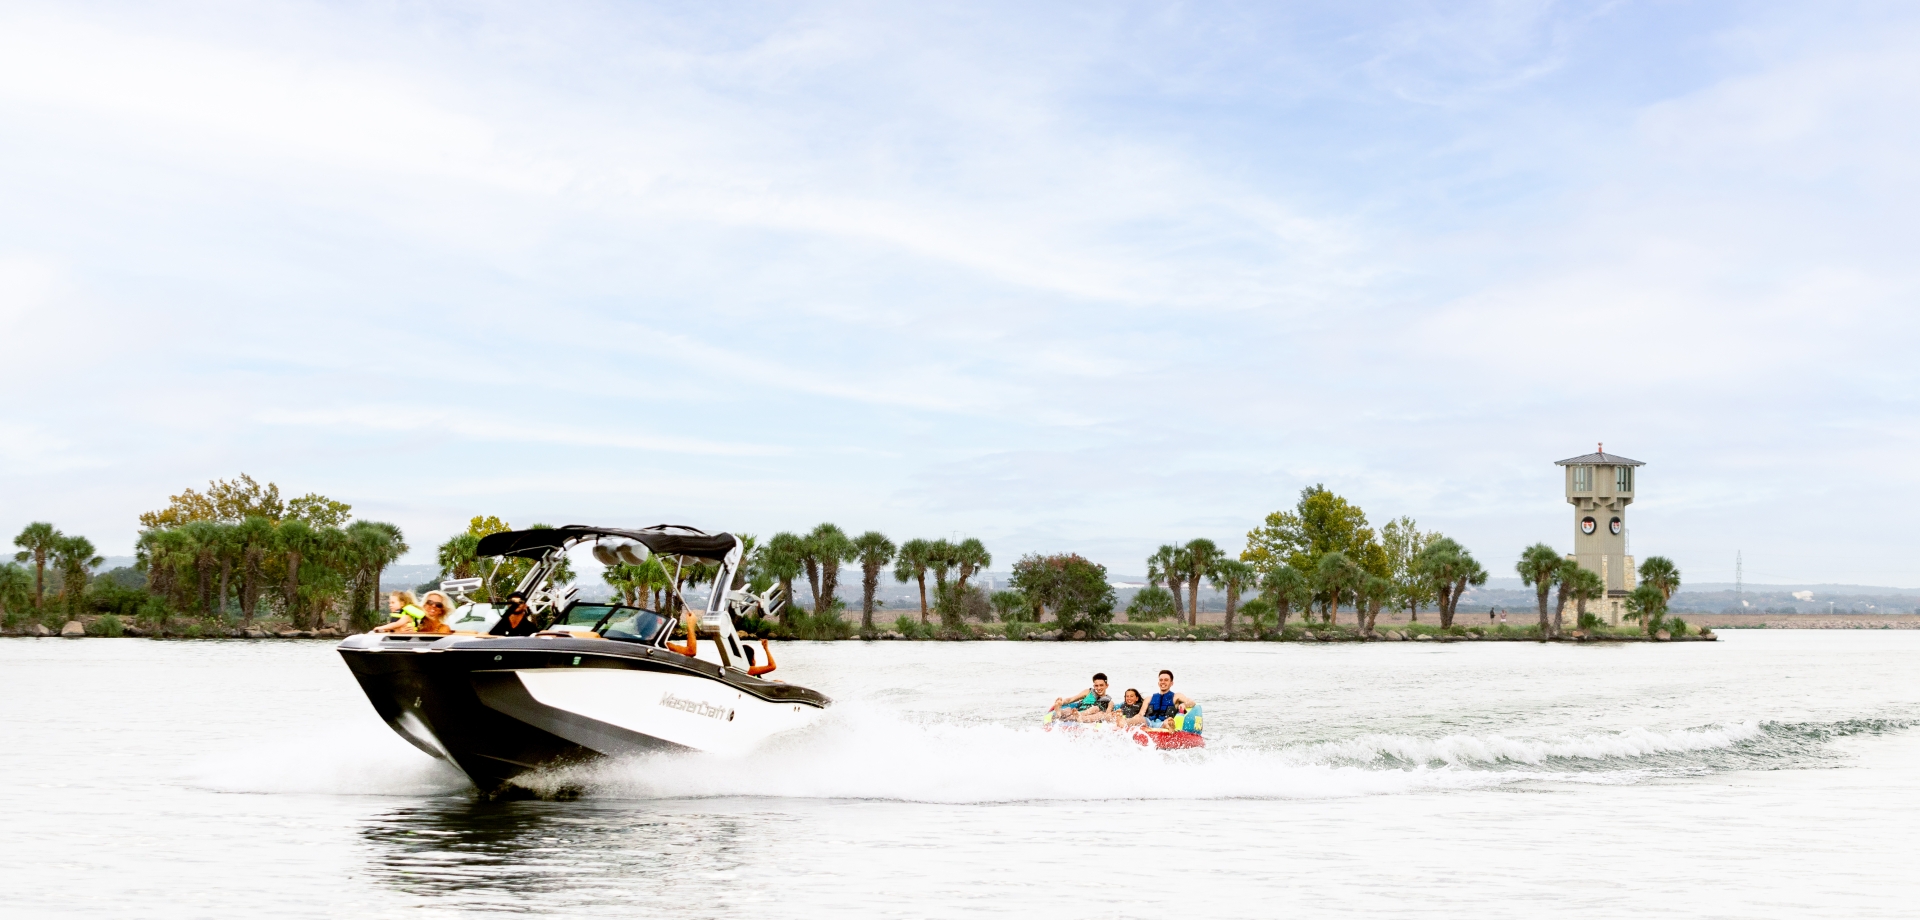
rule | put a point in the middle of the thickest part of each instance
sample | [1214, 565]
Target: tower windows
[1583, 479]
[1623, 479]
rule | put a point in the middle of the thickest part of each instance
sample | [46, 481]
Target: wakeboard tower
[599, 680]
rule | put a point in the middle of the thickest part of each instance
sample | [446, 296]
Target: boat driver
[1089, 705]
[517, 621]
[1161, 706]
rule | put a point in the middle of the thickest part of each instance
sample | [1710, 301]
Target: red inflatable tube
[1169, 741]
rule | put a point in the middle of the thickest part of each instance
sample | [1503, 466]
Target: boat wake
[870, 752]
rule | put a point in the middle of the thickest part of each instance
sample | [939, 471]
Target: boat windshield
[635, 625]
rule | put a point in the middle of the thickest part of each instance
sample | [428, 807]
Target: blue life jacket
[1160, 706]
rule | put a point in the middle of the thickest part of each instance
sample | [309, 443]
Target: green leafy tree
[874, 552]
[1662, 574]
[1320, 523]
[231, 501]
[911, 564]
[1402, 541]
[1151, 604]
[1232, 577]
[957, 603]
[1011, 606]
[1448, 568]
[38, 542]
[76, 561]
[1074, 589]
[1538, 566]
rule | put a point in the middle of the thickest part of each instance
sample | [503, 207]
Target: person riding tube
[1088, 706]
[1163, 706]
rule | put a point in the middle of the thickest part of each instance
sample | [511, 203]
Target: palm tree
[1579, 585]
[874, 551]
[971, 556]
[76, 562]
[1286, 587]
[1538, 565]
[1199, 557]
[38, 541]
[376, 545]
[160, 553]
[204, 539]
[1448, 569]
[1374, 591]
[295, 539]
[910, 564]
[1647, 605]
[459, 557]
[1662, 574]
[16, 591]
[1169, 563]
[827, 548]
[1336, 576]
[780, 561]
[254, 538]
[1232, 577]
[942, 558]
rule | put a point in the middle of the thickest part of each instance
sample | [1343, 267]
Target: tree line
[230, 555]
[239, 552]
[1322, 556]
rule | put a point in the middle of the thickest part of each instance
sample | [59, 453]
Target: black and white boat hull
[499, 708]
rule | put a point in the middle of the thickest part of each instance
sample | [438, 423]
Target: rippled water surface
[1771, 774]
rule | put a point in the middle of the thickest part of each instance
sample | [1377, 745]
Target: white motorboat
[599, 680]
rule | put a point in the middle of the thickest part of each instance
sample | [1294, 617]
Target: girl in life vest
[406, 614]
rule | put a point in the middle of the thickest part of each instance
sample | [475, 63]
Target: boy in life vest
[1086, 706]
[1166, 710]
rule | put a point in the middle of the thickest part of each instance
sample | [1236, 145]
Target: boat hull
[501, 708]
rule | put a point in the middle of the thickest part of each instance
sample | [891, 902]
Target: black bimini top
[661, 539]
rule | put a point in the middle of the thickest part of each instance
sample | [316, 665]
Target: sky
[1085, 277]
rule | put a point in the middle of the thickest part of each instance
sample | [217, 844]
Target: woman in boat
[1130, 705]
[438, 607]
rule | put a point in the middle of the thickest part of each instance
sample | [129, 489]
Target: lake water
[1770, 774]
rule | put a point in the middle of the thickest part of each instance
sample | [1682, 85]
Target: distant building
[1600, 487]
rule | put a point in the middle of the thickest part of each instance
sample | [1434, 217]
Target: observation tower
[1600, 487]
